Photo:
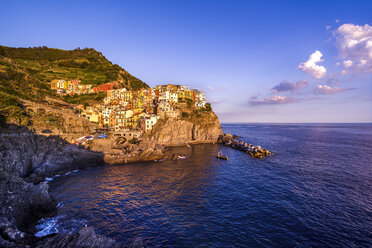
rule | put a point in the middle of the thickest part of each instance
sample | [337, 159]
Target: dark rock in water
[21, 205]
[236, 137]
[174, 157]
[6, 243]
[23, 201]
[137, 243]
[254, 151]
[9, 231]
[227, 137]
[85, 238]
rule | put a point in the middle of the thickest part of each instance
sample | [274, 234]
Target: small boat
[222, 157]
[102, 136]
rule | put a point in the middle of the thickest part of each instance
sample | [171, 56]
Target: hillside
[26, 73]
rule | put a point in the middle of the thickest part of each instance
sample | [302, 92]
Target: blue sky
[235, 51]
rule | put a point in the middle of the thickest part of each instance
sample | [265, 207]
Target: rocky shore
[28, 157]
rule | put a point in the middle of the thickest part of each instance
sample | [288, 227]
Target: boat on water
[220, 156]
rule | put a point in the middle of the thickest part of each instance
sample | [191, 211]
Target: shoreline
[34, 159]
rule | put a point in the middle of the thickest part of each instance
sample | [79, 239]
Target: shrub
[208, 107]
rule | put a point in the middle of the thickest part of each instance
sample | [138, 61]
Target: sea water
[316, 191]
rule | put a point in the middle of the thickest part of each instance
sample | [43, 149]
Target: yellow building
[53, 84]
[181, 94]
[188, 94]
[128, 96]
[94, 117]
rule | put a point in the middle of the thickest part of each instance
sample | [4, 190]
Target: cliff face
[61, 121]
[34, 157]
[192, 129]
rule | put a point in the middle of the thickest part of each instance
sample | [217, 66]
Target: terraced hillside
[26, 73]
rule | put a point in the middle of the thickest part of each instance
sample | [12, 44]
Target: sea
[315, 191]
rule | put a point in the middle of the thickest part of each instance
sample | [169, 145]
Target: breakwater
[252, 150]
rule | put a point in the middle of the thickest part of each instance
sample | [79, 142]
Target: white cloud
[311, 67]
[354, 44]
[328, 90]
[328, 27]
[337, 21]
[347, 63]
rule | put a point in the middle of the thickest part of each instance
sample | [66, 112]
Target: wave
[49, 179]
[70, 172]
[48, 226]
[58, 224]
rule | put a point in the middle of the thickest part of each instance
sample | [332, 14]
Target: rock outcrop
[180, 131]
[60, 121]
[28, 155]
[21, 205]
[254, 151]
[26, 158]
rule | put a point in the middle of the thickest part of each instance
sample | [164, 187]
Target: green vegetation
[208, 107]
[85, 99]
[87, 65]
[26, 73]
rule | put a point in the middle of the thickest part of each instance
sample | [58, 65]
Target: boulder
[227, 137]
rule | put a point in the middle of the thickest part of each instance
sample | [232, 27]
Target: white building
[116, 94]
[150, 121]
[184, 87]
[106, 116]
[164, 96]
[173, 97]
[200, 104]
[61, 84]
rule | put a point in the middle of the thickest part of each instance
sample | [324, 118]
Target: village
[132, 113]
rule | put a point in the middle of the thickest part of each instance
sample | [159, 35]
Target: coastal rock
[137, 243]
[174, 131]
[253, 151]
[6, 244]
[22, 204]
[227, 137]
[29, 154]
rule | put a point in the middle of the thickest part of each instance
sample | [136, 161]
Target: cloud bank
[311, 67]
[273, 100]
[328, 90]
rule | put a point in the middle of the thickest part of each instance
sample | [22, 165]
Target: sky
[257, 61]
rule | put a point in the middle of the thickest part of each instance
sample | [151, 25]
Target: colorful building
[105, 87]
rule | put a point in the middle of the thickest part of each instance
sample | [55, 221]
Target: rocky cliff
[192, 128]
[26, 158]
